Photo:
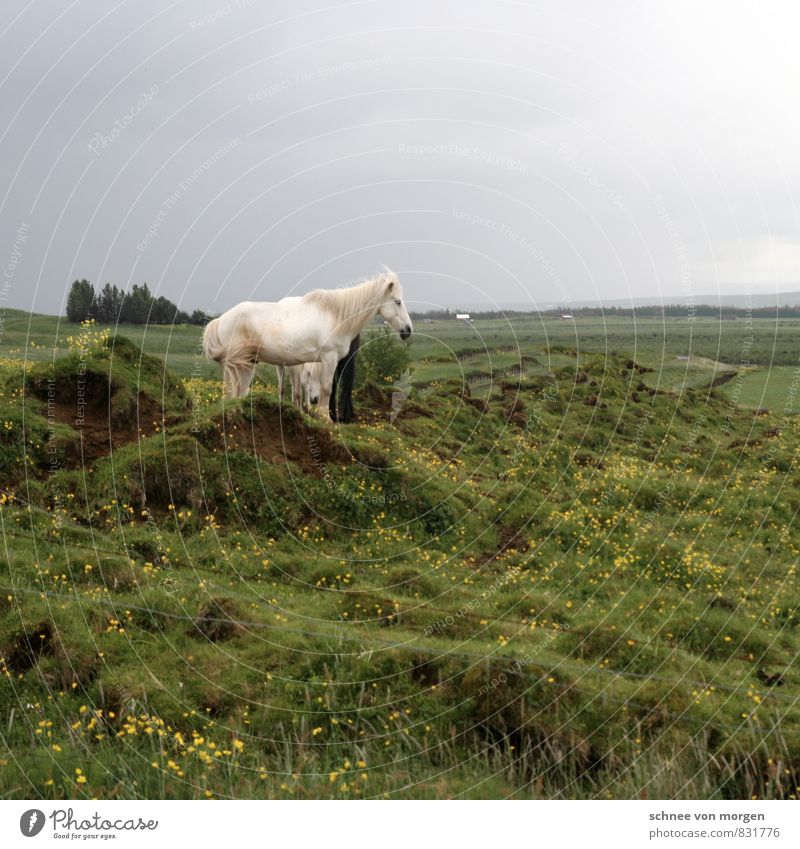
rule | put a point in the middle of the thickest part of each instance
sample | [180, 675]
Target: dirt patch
[23, 651]
[479, 405]
[509, 709]
[72, 669]
[105, 416]
[413, 410]
[512, 538]
[280, 436]
[515, 414]
[723, 378]
[424, 671]
[631, 365]
[771, 679]
[216, 621]
[372, 404]
[509, 540]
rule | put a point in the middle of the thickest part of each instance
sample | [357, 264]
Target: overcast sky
[489, 152]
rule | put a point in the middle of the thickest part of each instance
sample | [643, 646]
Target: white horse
[317, 327]
[306, 381]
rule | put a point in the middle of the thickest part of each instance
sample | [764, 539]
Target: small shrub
[382, 359]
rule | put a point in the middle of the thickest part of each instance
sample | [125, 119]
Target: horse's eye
[398, 303]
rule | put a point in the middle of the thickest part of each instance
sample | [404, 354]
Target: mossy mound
[108, 396]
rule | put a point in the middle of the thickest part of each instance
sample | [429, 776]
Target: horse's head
[392, 308]
[312, 382]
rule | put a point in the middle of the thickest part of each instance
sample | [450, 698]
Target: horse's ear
[390, 287]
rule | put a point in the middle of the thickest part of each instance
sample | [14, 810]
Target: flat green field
[773, 388]
[679, 352]
[564, 565]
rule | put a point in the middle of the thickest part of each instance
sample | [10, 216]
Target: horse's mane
[351, 306]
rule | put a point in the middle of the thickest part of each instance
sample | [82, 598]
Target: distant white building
[567, 317]
[463, 316]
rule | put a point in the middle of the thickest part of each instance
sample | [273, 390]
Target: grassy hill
[578, 580]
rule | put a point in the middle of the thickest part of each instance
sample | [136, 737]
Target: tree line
[112, 305]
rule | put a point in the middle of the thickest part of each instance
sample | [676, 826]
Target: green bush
[383, 359]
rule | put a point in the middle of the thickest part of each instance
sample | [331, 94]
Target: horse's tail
[212, 344]
[346, 380]
[240, 350]
[237, 358]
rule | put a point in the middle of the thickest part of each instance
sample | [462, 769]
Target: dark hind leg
[347, 380]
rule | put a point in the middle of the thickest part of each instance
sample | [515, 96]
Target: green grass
[774, 389]
[575, 582]
[679, 351]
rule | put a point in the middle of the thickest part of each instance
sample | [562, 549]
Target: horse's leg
[230, 381]
[296, 376]
[246, 374]
[327, 370]
[281, 377]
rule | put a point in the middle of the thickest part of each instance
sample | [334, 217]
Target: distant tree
[199, 318]
[136, 305]
[80, 301]
[162, 311]
[109, 303]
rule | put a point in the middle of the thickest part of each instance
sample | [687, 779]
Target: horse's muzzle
[405, 332]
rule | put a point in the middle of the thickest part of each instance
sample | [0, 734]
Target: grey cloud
[503, 152]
